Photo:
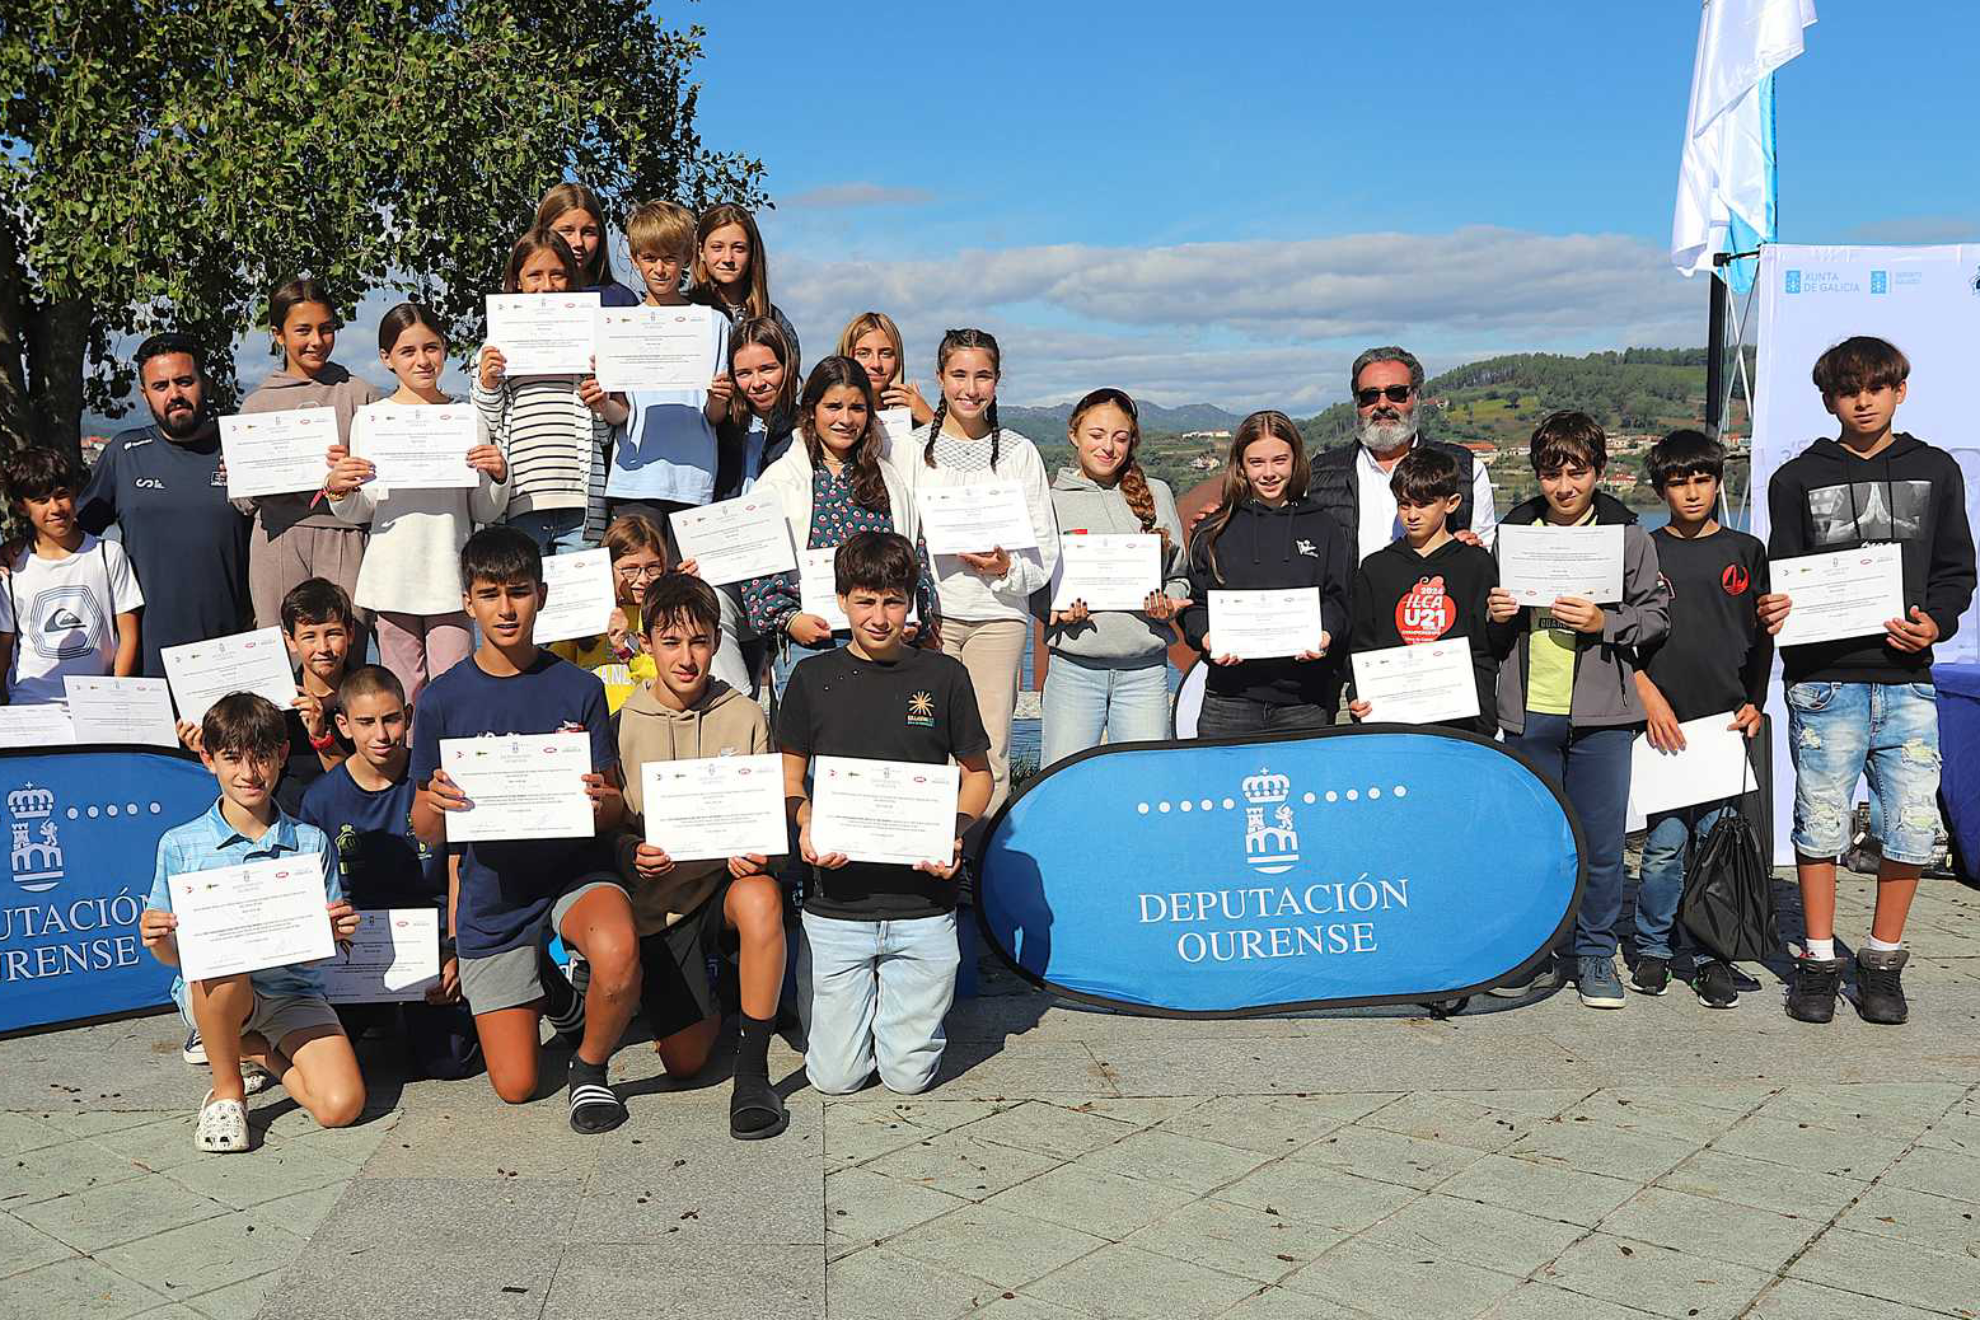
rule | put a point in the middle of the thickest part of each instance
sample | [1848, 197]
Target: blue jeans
[1082, 702]
[1233, 717]
[1675, 837]
[1887, 731]
[873, 994]
[555, 531]
[1591, 766]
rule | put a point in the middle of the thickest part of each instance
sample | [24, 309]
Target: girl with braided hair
[1109, 671]
[984, 597]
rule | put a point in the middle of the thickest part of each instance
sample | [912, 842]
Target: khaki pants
[991, 652]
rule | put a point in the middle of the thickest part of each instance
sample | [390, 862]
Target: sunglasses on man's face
[1393, 393]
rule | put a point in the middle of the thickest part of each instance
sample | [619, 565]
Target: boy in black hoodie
[1865, 705]
[1268, 535]
[1429, 585]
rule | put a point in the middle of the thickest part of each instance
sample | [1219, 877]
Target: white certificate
[1422, 684]
[1107, 572]
[1848, 593]
[735, 540]
[716, 806]
[43, 725]
[974, 520]
[277, 453]
[896, 433]
[248, 918]
[1712, 766]
[121, 710]
[393, 958]
[521, 785]
[818, 590]
[896, 812]
[203, 672]
[655, 348]
[580, 600]
[1264, 625]
[1539, 565]
[543, 334]
[418, 448]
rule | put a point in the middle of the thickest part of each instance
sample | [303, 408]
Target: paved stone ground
[1522, 1164]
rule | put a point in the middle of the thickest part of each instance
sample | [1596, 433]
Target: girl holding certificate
[832, 483]
[1109, 672]
[295, 537]
[985, 596]
[573, 212]
[732, 271]
[1267, 535]
[874, 341]
[555, 430]
[411, 575]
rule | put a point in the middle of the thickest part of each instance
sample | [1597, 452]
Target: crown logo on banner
[31, 803]
[1270, 848]
[36, 855]
[1265, 788]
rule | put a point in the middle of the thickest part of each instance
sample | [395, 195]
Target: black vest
[1336, 486]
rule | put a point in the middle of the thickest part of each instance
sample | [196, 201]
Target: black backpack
[1728, 903]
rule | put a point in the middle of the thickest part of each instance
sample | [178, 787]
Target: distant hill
[1049, 423]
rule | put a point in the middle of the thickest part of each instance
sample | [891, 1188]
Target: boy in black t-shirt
[1428, 585]
[364, 807]
[877, 967]
[508, 895]
[318, 623]
[1715, 659]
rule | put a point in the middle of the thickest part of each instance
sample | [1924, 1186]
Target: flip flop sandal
[755, 1096]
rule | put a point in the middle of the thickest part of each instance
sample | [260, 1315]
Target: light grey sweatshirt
[1113, 639]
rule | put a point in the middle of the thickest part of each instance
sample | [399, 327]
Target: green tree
[165, 163]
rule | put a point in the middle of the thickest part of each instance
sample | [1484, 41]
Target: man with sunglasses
[1351, 482]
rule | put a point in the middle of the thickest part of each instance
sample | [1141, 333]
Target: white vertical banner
[1926, 300]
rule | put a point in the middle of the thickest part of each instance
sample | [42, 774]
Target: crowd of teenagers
[1394, 532]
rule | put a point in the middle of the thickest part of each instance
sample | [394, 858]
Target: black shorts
[675, 990]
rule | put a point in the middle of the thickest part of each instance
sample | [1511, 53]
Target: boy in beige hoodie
[684, 910]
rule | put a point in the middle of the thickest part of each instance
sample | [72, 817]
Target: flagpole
[1715, 348]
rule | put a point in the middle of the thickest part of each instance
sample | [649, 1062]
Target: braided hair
[869, 486]
[1133, 482]
[955, 341]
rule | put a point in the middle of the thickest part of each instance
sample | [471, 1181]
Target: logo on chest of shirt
[1735, 579]
[1307, 548]
[150, 483]
[1426, 612]
[921, 710]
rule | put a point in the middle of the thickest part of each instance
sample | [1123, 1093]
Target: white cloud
[1244, 323]
[838, 196]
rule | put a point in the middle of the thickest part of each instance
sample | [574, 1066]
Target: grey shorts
[513, 977]
[275, 1019]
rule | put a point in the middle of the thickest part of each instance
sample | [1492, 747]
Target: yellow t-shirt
[1550, 654]
[620, 677]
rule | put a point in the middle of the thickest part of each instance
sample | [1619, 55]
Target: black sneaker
[1813, 996]
[1714, 983]
[1743, 983]
[1879, 996]
[1651, 976]
[194, 1050]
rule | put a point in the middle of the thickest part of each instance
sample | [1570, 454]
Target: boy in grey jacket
[1567, 692]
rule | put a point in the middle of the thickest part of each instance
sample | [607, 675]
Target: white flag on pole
[1726, 181]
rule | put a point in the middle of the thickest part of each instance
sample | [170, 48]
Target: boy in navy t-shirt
[1714, 661]
[508, 896]
[364, 807]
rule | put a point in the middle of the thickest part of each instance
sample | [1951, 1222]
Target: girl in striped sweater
[556, 430]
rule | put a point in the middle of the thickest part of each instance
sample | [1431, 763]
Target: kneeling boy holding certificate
[877, 968]
[271, 1013]
[684, 908]
[510, 893]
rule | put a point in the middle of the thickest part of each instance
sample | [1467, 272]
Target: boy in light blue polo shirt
[277, 1018]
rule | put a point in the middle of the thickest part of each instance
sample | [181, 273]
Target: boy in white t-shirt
[71, 600]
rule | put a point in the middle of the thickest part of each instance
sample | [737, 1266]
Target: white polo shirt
[1377, 505]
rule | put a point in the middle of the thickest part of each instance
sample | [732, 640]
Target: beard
[1384, 431]
[182, 424]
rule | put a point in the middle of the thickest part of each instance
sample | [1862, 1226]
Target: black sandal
[756, 1111]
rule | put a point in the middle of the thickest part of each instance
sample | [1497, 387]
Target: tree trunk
[59, 342]
[14, 312]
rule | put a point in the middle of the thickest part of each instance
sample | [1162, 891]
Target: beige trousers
[991, 652]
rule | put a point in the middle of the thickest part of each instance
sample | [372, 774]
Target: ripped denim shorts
[1888, 732]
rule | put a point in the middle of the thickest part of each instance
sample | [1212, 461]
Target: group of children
[923, 666]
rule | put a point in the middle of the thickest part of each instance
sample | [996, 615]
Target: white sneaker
[223, 1127]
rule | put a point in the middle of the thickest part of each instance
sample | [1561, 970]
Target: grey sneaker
[1596, 980]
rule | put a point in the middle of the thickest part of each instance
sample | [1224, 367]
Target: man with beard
[1351, 482]
[165, 487]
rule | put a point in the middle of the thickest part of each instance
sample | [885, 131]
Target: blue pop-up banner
[1385, 864]
[83, 825]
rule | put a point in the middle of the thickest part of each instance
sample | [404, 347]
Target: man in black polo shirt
[165, 488]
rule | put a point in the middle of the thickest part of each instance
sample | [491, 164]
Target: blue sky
[1224, 206]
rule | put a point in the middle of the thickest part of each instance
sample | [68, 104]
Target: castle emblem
[1270, 849]
[37, 855]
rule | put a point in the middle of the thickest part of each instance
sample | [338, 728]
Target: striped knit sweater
[557, 447]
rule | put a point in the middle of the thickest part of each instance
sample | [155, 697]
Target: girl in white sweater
[984, 594]
[411, 571]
